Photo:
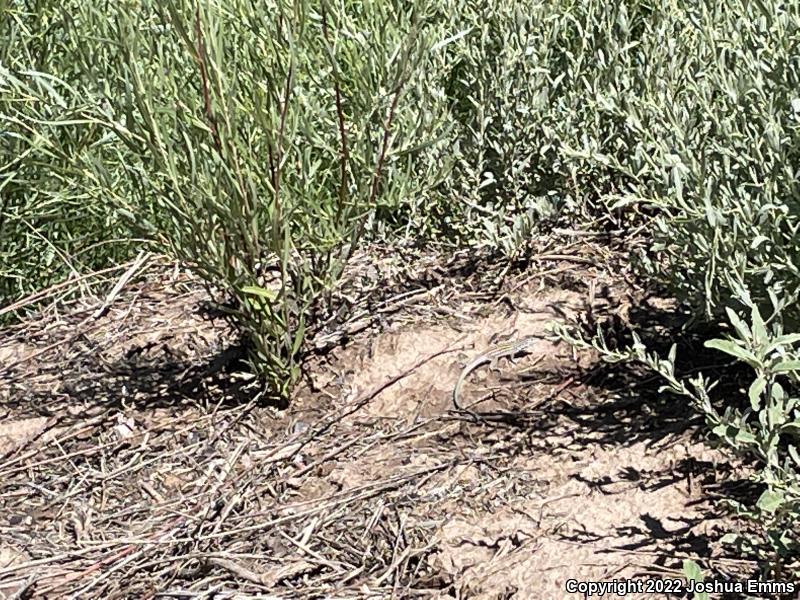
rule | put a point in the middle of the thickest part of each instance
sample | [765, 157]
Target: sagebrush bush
[709, 97]
[697, 112]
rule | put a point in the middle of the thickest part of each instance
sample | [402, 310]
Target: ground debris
[118, 483]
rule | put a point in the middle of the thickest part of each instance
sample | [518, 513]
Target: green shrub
[534, 91]
[705, 102]
[690, 121]
[54, 221]
[766, 432]
[267, 134]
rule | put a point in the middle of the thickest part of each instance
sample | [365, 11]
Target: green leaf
[745, 437]
[729, 347]
[722, 431]
[741, 327]
[784, 340]
[626, 201]
[793, 453]
[786, 366]
[298, 338]
[450, 40]
[729, 538]
[770, 500]
[692, 572]
[791, 428]
[777, 416]
[255, 290]
[755, 391]
[759, 329]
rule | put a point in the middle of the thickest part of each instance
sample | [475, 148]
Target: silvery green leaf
[755, 391]
[733, 349]
[786, 366]
[770, 500]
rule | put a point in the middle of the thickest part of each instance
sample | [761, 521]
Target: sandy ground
[133, 464]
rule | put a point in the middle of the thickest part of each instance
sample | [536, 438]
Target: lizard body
[504, 350]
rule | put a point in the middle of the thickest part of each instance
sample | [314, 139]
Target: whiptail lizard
[505, 350]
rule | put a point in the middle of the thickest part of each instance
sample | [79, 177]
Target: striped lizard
[505, 350]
